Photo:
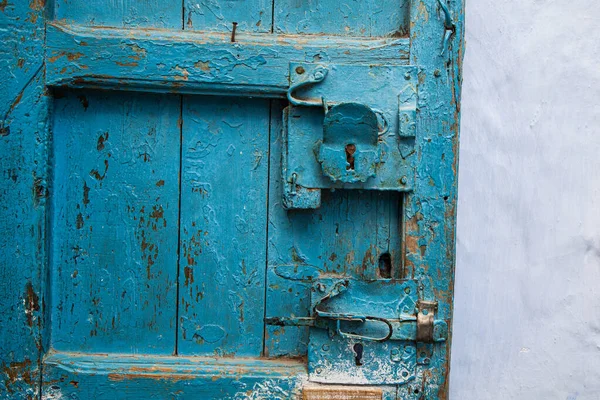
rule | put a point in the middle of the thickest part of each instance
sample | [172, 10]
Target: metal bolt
[403, 180]
[407, 76]
[319, 370]
[437, 73]
[404, 374]
[325, 347]
[300, 70]
[395, 355]
[407, 290]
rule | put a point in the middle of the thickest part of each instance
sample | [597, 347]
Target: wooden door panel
[219, 16]
[168, 239]
[225, 164]
[346, 17]
[115, 222]
[121, 13]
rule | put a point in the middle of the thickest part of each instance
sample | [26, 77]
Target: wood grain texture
[345, 17]
[225, 163]
[430, 211]
[120, 13]
[131, 271]
[215, 15]
[23, 194]
[115, 222]
[199, 63]
[73, 375]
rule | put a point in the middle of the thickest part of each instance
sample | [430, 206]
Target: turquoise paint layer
[115, 222]
[23, 192]
[225, 163]
[128, 296]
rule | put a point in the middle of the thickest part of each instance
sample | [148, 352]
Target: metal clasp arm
[318, 75]
[448, 24]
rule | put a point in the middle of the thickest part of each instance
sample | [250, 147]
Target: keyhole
[385, 266]
[358, 350]
[350, 150]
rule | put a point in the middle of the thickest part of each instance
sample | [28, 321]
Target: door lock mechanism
[348, 127]
[366, 326]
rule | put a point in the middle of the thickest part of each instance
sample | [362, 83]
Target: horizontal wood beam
[102, 376]
[198, 62]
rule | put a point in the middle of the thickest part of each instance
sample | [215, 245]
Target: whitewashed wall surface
[527, 300]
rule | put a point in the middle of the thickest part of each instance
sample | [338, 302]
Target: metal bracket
[317, 75]
[425, 321]
[449, 26]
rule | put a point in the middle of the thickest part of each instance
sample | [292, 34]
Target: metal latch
[367, 327]
[348, 127]
[421, 327]
[425, 321]
[349, 151]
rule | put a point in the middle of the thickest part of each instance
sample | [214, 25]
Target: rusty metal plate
[341, 393]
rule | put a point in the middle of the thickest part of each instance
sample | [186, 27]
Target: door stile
[436, 46]
[24, 137]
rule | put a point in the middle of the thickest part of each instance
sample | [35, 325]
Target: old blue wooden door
[231, 199]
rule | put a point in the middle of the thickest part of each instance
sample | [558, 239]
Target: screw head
[403, 180]
[300, 70]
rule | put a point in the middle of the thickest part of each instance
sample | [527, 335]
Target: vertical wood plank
[430, 211]
[115, 222]
[223, 229]
[121, 13]
[23, 192]
[219, 15]
[367, 18]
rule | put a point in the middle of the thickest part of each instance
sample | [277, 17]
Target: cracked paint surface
[169, 242]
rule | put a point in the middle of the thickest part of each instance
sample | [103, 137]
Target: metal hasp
[370, 328]
[348, 127]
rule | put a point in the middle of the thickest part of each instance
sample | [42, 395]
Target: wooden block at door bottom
[341, 393]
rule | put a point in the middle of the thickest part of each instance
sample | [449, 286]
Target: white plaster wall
[527, 296]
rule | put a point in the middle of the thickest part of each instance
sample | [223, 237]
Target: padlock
[349, 151]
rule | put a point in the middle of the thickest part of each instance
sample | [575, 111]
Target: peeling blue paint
[188, 202]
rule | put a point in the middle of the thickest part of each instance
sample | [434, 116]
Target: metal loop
[338, 288]
[448, 24]
[386, 126]
[317, 76]
[369, 338]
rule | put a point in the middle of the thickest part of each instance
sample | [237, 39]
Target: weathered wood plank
[345, 17]
[223, 226]
[115, 222]
[23, 193]
[147, 377]
[194, 62]
[430, 211]
[220, 15]
[120, 13]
